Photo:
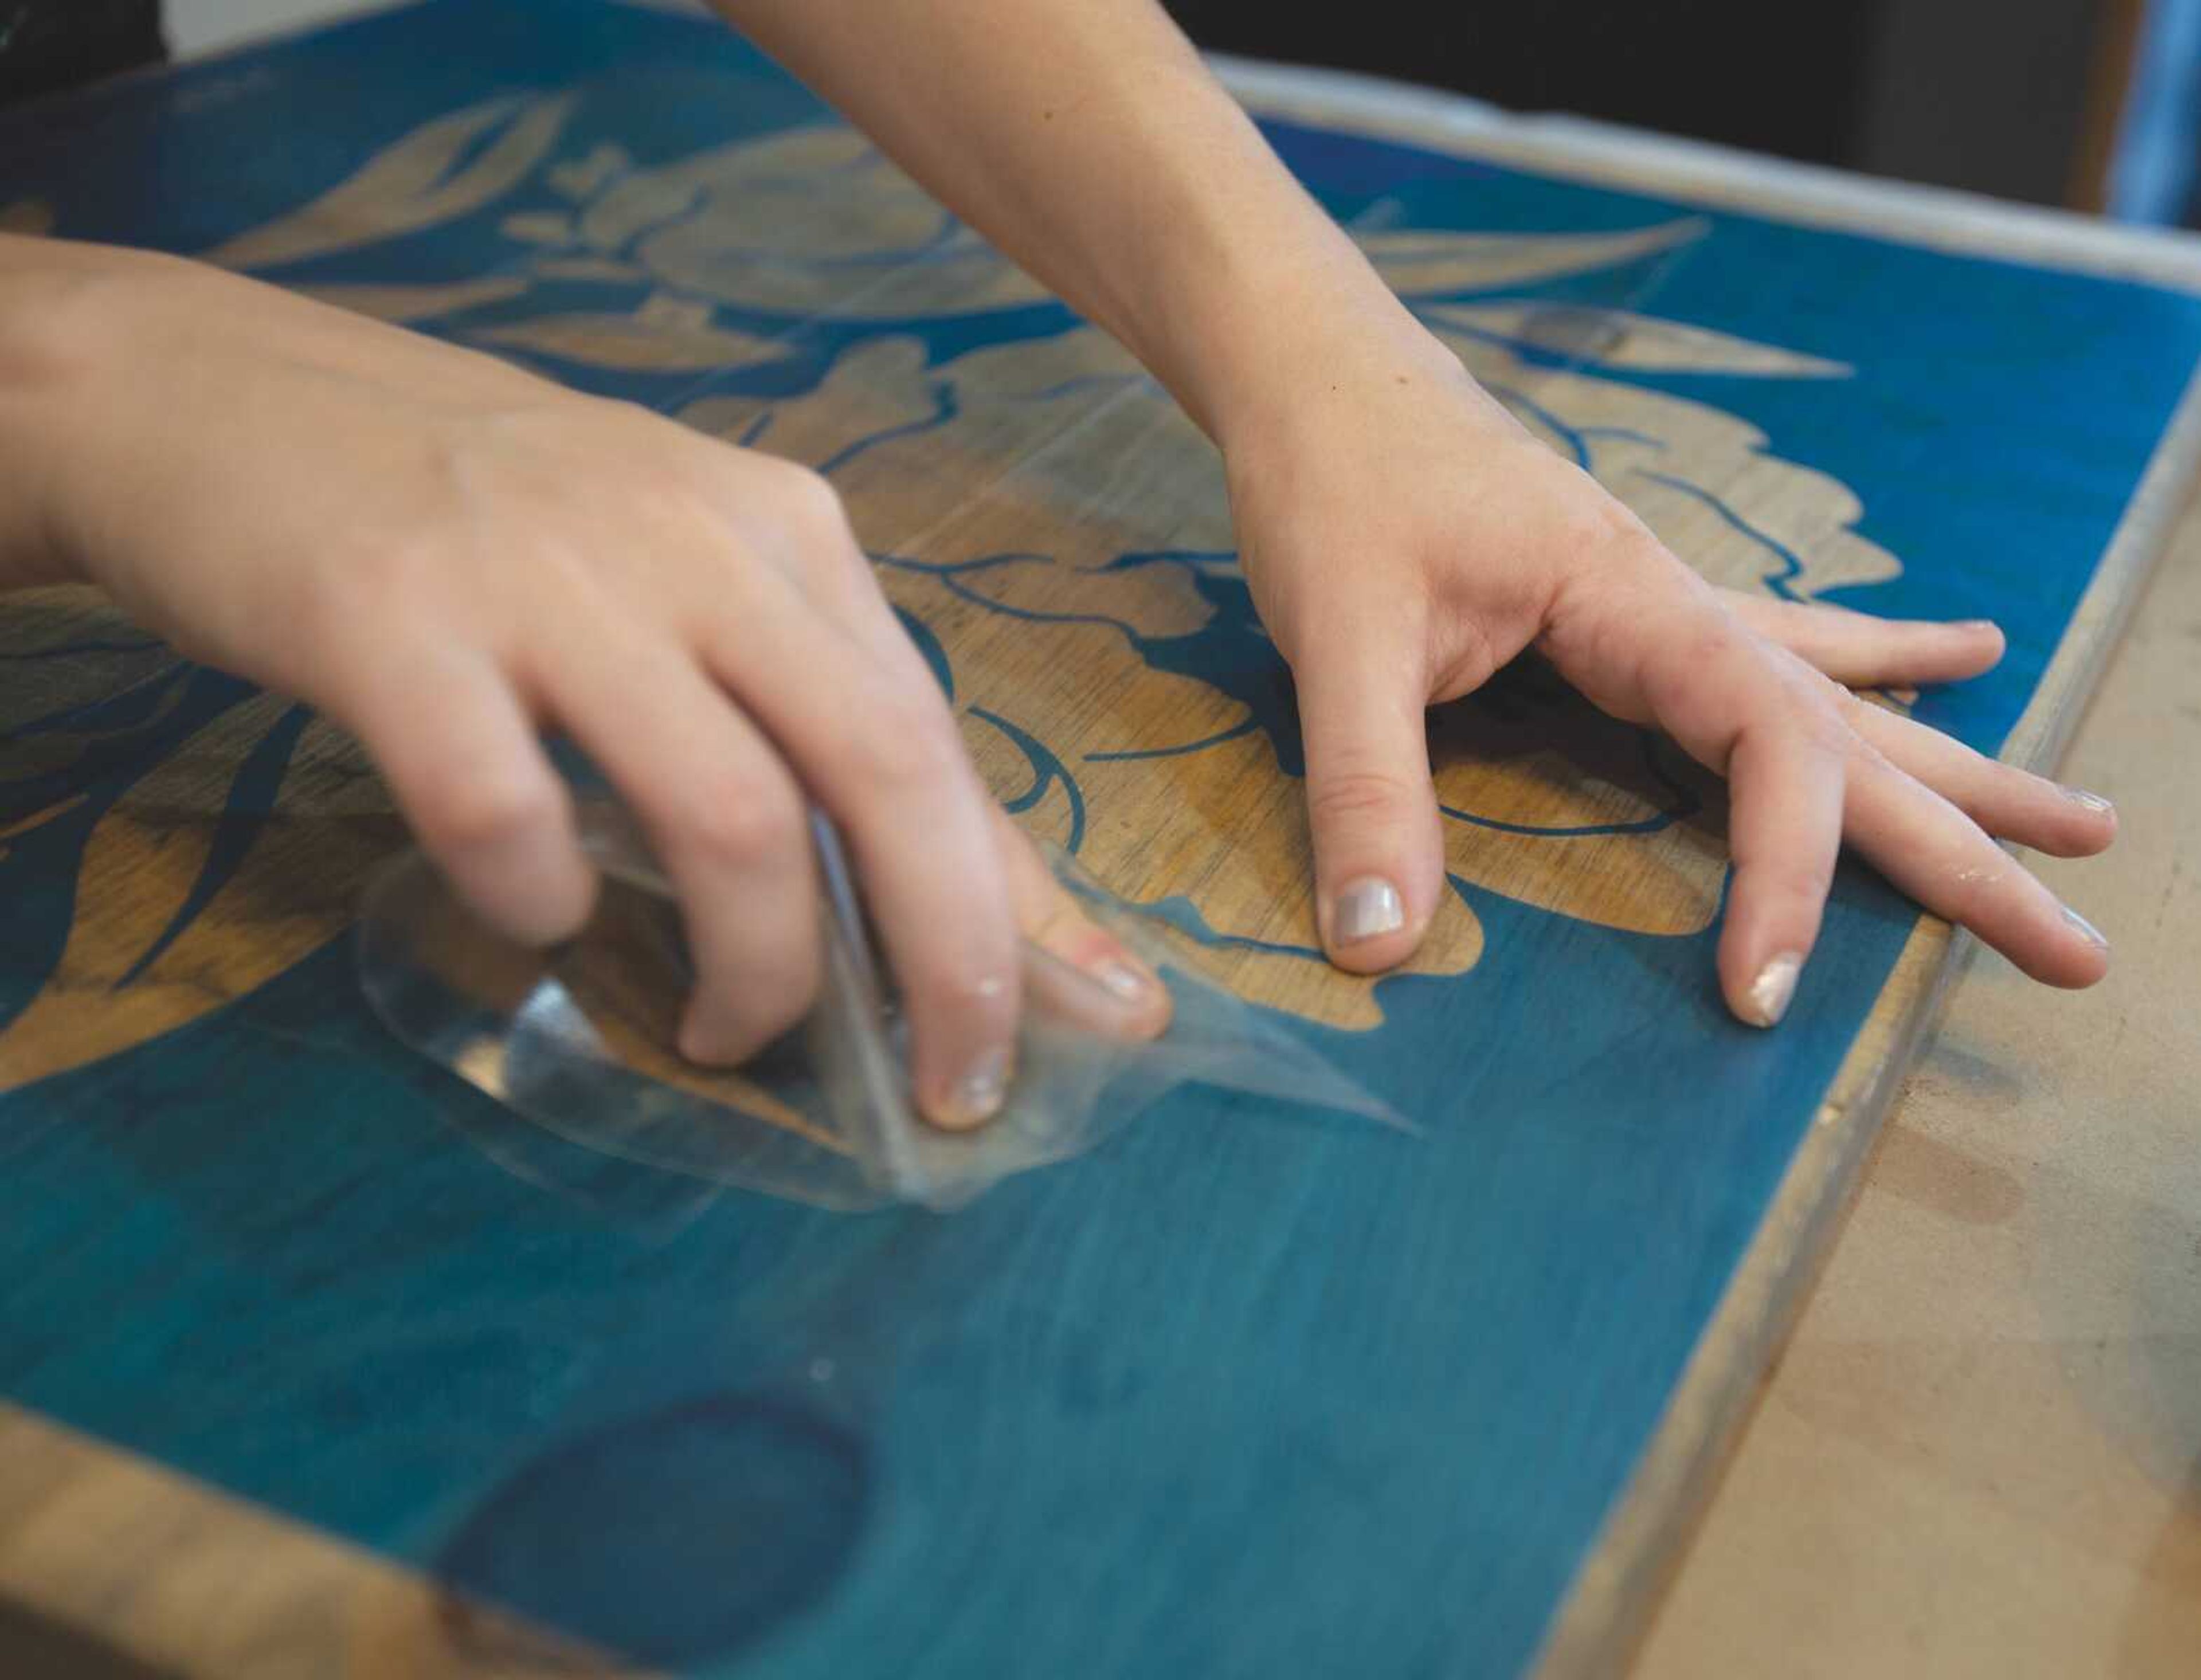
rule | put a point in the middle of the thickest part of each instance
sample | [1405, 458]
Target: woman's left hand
[1403, 538]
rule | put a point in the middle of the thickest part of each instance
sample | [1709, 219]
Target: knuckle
[1821, 728]
[805, 504]
[971, 981]
[768, 996]
[1596, 521]
[739, 823]
[910, 740]
[1354, 796]
[465, 809]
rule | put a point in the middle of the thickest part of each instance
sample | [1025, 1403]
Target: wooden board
[1245, 1392]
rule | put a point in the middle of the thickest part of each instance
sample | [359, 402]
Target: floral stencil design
[1052, 529]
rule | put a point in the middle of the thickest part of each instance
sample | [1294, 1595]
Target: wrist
[62, 313]
[1276, 308]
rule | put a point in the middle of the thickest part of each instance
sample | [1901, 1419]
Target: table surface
[1981, 1454]
[2076, 1437]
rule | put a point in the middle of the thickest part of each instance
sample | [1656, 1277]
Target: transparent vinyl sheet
[1050, 527]
[579, 1041]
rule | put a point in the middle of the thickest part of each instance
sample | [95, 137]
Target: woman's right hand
[448, 555]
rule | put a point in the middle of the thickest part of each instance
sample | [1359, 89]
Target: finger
[2000, 798]
[1861, 651]
[1378, 842]
[877, 748]
[1721, 693]
[1085, 975]
[725, 818]
[1932, 851]
[1784, 830]
[1073, 970]
[469, 771]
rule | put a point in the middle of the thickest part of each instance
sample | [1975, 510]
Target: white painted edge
[1715, 177]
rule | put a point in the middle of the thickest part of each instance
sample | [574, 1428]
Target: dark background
[2013, 98]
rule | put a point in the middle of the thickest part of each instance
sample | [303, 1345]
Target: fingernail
[2086, 930]
[1122, 979]
[1775, 985]
[1365, 908]
[978, 1094]
[2091, 801]
[1975, 623]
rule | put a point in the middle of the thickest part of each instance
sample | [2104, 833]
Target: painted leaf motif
[203, 882]
[428, 178]
[1431, 263]
[1699, 477]
[665, 336]
[63, 649]
[419, 302]
[816, 220]
[1578, 336]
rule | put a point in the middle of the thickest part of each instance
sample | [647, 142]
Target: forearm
[43, 287]
[1087, 140]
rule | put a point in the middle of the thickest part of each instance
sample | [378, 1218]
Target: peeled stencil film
[578, 1040]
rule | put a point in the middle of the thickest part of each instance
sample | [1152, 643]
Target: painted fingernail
[978, 1094]
[2086, 930]
[1122, 979]
[1365, 908]
[2090, 802]
[1775, 985]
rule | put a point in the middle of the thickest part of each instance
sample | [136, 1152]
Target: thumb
[1378, 842]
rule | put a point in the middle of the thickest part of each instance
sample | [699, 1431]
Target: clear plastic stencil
[578, 1040]
[1055, 535]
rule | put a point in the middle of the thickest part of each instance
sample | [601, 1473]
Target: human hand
[1403, 538]
[448, 555]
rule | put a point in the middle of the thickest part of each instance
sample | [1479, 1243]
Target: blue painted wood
[1232, 1396]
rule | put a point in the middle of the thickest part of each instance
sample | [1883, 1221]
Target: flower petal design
[420, 302]
[647, 341]
[438, 173]
[1580, 336]
[1699, 477]
[1420, 262]
[1050, 526]
[978, 481]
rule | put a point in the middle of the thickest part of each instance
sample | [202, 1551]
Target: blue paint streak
[251, 802]
[944, 410]
[129, 707]
[1047, 769]
[1650, 825]
[1792, 563]
[951, 574]
[1620, 431]
[1233, 733]
[1183, 914]
[929, 646]
[1566, 433]
[75, 649]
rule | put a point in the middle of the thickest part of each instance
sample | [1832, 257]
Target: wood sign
[318, 1357]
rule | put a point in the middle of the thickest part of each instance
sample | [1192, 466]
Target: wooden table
[304, 1384]
[1981, 1455]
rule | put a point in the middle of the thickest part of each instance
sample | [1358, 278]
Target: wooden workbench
[1981, 1455]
